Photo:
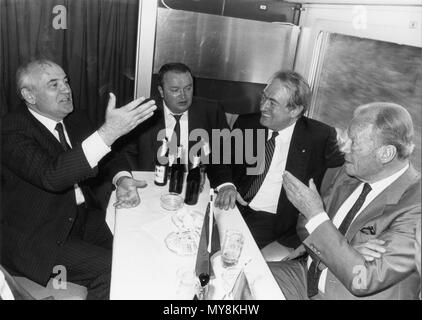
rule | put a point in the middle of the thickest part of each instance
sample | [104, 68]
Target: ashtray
[183, 243]
[171, 201]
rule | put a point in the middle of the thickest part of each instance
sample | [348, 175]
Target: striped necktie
[63, 142]
[259, 179]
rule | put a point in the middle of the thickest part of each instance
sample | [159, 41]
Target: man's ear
[296, 112]
[160, 90]
[387, 153]
[28, 95]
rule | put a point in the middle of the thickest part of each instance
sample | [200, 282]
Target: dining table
[144, 268]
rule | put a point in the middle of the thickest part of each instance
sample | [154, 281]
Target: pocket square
[368, 230]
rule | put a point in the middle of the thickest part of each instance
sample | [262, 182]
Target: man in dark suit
[361, 237]
[179, 113]
[50, 222]
[289, 141]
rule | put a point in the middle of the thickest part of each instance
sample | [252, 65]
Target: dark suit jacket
[38, 197]
[312, 150]
[203, 113]
[392, 216]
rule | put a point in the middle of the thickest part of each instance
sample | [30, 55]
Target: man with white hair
[361, 237]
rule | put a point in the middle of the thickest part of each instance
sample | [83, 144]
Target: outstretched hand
[127, 192]
[120, 121]
[306, 199]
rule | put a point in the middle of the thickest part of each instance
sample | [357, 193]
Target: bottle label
[159, 173]
[206, 148]
[196, 161]
[179, 151]
[171, 160]
[164, 148]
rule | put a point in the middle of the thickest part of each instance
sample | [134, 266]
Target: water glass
[232, 248]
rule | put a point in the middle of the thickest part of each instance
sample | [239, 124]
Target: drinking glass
[232, 248]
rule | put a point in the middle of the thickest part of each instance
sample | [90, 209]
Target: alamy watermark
[228, 147]
[60, 280]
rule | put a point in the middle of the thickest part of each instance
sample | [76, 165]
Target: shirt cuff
[225, 184]
[119, 175]
[315, 221]
[94, 149]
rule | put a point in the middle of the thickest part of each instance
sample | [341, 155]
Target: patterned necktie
[259, 179]
[63, 142]
[314, 272]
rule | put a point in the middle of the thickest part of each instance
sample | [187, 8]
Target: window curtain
[97, 49]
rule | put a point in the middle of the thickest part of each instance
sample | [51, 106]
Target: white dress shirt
[93, 147]
[170, 122]
[376, 189]
[267, 196]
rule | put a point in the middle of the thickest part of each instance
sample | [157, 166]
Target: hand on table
[226, 197]
[127, 194]
[306, 199]
[372, 249]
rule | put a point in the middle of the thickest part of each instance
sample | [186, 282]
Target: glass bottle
[177, 172]
[161, 170]
[193, 182]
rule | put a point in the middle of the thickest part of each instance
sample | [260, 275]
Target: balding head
[392, 124]
[44, 87]
[28, 74]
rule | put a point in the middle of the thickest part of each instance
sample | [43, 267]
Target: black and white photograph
[240, 152]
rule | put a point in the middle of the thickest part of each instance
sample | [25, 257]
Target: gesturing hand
[119, 121]
[372, 249]
[127, 193]
[306, 199]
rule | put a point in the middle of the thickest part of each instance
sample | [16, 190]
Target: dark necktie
[314, 272]
[176, 130]
[256, 183]
[63, 142]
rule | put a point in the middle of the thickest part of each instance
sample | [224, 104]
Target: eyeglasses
[272, 102]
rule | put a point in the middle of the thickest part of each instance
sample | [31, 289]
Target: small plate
[171, 201]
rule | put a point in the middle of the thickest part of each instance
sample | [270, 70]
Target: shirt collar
[383, 183]
[47, 122]
[284, 134]
[167, 111]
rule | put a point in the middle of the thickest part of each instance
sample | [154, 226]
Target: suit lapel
[297, 158]
[374, 209]
[159, 124]
[44, 133]
[195, 121]
[390, 196]
[342, 193]
[298, 155]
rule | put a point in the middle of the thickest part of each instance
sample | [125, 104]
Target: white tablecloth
[144, 268]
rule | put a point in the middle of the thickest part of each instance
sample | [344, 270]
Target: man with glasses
[295, 143]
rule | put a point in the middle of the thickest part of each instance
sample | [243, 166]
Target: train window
[353, 71]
